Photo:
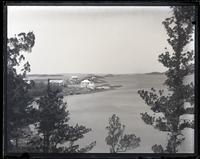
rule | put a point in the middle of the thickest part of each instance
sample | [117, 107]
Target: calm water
[94, 110]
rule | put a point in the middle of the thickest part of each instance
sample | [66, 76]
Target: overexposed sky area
[88, 39]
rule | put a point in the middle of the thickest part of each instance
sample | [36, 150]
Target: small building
[58, 82]
[74, 77]
[87, 84]
[74, 80]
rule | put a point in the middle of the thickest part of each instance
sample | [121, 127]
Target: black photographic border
[196, 153]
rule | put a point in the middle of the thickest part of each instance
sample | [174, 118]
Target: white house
[87, 84]
[74, 77]
[59, 82]
[74, 80]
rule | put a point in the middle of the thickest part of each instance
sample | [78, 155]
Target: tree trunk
[16, 144]
[44, 143]
[113, 149]
[174, 143]
[48, 144]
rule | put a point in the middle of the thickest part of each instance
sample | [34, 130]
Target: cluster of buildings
[87, 84]
[58, 82]
[74, 80]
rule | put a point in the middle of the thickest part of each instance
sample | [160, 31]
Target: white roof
[56, 80]
[74, 77]
[86, 80]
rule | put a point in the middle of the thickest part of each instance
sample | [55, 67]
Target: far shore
[89, 91]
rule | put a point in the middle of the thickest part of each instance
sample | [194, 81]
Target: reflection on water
[93, 111]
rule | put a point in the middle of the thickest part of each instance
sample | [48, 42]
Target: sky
[89, 39]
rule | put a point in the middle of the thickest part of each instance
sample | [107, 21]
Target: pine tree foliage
[56, 135]
[179, 28]
[117, 140]
[18, 99]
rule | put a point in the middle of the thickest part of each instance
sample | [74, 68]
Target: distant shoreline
[44, 75]
[155, 73]
[104, 75]
[94, 91]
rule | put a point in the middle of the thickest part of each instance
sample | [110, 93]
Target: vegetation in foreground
[179, 29]
[54, 134]
[117, 140]
[50, 120]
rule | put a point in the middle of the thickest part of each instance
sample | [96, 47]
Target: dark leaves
[186, 124]
[53, 120]
[157, 149]
[179, 28]
[19, 100]
[87, 148]
[117, 140]
[149, 120]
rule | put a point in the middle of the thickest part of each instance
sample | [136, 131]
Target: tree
[53, 125]
[179, 28]
[18, 99]
[117, 140]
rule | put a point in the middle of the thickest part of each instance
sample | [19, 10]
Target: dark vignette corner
[101, 155]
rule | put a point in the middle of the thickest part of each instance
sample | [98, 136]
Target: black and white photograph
[100, 79]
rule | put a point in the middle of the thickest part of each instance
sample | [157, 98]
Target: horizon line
[94, 73]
